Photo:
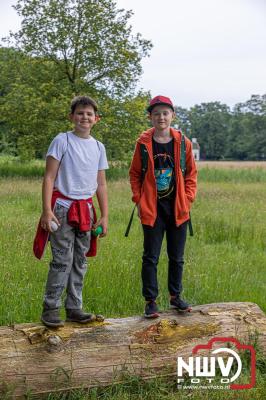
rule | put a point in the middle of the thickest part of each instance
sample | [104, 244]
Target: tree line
[237, 134]
[70, 47]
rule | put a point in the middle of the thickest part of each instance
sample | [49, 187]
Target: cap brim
[150, 108]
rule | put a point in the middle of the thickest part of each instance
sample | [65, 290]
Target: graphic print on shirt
[164, 169]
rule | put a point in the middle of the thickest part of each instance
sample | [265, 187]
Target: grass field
[211, 171]
[232, 164]
[225, 261]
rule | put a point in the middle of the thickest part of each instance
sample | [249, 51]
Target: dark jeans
[176, 240]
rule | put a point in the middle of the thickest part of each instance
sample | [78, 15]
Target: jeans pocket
[60, 211]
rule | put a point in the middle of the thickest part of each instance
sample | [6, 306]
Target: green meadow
[225, 261]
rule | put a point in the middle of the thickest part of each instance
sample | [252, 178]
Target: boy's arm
[191, 173]
[51, 170]
[101, 194]
[135, 175]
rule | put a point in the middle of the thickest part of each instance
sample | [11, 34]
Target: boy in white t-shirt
[75, 171]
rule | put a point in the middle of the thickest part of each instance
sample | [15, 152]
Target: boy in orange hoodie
[163, 199]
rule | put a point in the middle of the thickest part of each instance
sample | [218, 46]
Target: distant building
[196, 149]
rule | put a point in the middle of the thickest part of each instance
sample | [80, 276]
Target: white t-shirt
[81, 159]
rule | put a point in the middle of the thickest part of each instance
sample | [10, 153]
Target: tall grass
[225, 261]
[13, 167]
[233, 175]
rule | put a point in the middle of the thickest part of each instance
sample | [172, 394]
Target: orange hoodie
[146, 194]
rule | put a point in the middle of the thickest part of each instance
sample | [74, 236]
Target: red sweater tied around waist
[78, 216]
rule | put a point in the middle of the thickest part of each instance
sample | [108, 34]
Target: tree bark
[39, 360]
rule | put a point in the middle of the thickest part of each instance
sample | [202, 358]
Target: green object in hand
[97, 231]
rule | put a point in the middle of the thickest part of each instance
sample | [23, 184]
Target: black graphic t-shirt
[163, 155]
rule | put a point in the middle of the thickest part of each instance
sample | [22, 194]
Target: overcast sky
[203, 50]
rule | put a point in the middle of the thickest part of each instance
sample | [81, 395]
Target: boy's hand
[103, 221]
[46, 218]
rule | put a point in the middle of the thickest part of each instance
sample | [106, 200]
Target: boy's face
[161, 117]
[83, 118]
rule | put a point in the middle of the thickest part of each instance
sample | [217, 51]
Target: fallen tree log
[38, 360]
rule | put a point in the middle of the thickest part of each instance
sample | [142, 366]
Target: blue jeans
[176, 240]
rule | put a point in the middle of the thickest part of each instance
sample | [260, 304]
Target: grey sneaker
[151, 310]
[77, 315]
[51, 317]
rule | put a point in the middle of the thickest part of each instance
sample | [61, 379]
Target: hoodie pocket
[188, 203]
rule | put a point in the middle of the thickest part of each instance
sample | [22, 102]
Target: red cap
[160, 100]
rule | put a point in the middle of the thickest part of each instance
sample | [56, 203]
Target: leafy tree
[63, 48]
[256, 126]
[209, 124]
[39, 100]
[183, 121]
[88, 40]
[122, 121]
[247, 137]
[238, 139]
[255, 105]
[34, 102]
[247, 131]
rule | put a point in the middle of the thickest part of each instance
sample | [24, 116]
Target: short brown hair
[83, 101]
